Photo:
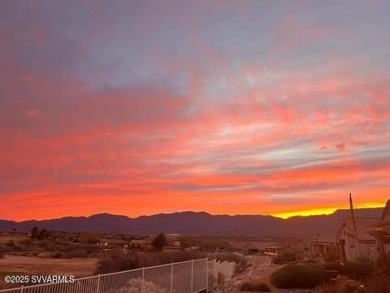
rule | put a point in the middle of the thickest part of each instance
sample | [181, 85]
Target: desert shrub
[89, 248]
[26, 242]
[286, 256]
[80, 252]
[45, 254]
[344, 286]
[255, 285]
[383, 265]
[118, 261]
[10, 243]
[298, 276]
[334, 265]
[241, 261]
[377, 284]
[358, 271]
[137, 285]
[93, 240]
[353, 270]
[163, 257]
[379, 280]
[47, 245]
[56, 254]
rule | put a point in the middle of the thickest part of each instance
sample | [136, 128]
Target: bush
[137, 285]
[298, 276]
[383, 265]
[10, 243]
[56, 254]
[75, 253]
[353, 270]
[286, 256]
[119, 261]
[358, 271]
[379, 281]
[241, 261]
[378, 284]
[254, 285]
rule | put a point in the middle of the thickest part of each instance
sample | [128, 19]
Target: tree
[159, 242]
[34, 233]
[43, 234]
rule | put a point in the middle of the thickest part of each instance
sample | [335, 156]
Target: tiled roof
[363, 224]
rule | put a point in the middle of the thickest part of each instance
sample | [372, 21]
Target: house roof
[383, 225]
[250, 244]
[325, 238]
[114, 241]
[363, 224]
[386, 213]
[139, 241]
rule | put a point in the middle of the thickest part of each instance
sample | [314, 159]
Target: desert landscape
[194, 146]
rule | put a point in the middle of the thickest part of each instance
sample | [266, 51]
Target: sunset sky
[229, 107]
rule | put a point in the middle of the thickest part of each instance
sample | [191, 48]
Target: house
[274, 249]
[323, 243]
[114, 243]
[249, 247]
[353, 247]
[381, 231]
[140, 244]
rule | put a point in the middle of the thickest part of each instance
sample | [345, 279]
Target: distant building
[114, 243]
[275, 249]
[353, 247]
[249, 247]
[323, 244]
[140, 244]
[381, 232]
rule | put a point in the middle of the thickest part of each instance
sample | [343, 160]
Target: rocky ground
[261, 268]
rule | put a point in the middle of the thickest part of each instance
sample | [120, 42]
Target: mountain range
[195, 223]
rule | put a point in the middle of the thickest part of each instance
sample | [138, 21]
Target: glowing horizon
[139, 108]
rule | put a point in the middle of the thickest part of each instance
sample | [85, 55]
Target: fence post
[171, 277]
[143, 277]
[207, 275]
[192, 276]
[98, 284]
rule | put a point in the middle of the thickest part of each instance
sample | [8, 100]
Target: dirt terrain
[79, 267]
[260, 268]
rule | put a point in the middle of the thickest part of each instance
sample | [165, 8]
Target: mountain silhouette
[195, 223]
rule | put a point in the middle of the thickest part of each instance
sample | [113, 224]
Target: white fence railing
[182, 277]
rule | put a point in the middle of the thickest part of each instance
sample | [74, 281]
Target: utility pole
[357, 248]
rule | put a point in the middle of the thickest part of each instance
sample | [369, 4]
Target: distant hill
[195, 223]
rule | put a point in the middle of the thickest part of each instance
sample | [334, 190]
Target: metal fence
[182, 277]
